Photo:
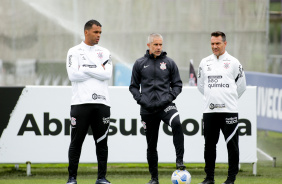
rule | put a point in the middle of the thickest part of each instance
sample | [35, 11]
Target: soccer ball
[181, 177]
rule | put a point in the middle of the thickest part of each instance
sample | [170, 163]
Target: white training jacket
[222, 81]
[88, 78]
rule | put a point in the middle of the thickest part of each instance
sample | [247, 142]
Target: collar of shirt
[221, 56]
[87, 47]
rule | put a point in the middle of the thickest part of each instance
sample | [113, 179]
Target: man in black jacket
[160, 83]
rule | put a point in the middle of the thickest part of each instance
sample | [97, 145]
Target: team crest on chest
[226, 65]
[100, 55]
[163, 66]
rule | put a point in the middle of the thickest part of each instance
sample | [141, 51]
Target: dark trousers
[168, 115]
[228, 124]
[96, 116]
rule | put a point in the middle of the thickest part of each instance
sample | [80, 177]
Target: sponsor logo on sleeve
[200, 72]
[110, 60]
[70, 62]
[240, 71]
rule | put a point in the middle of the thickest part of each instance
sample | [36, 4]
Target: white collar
[87, 47]
[221, 56]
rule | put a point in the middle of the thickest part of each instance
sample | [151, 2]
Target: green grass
[129, 173]
[133, 173]
[271, 142]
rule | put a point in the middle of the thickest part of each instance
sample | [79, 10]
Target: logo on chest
[82, 57]
[100, 55]
[163, 66]
[226, 65]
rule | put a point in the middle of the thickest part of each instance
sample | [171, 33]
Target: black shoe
[103, 181]
[153, 181]
[207, 181]
[228, 182]
[180, 166]
[72, 180]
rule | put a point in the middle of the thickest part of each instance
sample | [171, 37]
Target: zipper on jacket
[155, 97]
[154, 72]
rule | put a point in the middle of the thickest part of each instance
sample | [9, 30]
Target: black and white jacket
[158, 79]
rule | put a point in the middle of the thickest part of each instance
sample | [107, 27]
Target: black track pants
[228, 124]
[169, 116]
[96, 116]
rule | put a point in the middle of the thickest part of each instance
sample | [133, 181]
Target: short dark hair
[219, 33]
[90, 23]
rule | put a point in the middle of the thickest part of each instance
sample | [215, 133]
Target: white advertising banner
[38, 128]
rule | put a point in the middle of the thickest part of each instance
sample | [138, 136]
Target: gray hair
[152, 36]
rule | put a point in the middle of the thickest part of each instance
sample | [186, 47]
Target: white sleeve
[240, 80]
[201, 80]
[73, 69]
[98, 72]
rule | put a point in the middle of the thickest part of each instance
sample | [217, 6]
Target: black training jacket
[159, 80]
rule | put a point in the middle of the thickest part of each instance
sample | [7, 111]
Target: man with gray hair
[160, 83]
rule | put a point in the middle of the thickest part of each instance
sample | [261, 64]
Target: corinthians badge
[100, 55]
[226, 65]
[163, 65]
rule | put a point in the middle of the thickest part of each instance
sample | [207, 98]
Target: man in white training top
[89, 68]
[221, 80]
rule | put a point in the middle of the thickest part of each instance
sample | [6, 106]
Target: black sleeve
[176, 82]
[134, 86]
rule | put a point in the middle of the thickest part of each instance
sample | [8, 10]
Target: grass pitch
[129, 173]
